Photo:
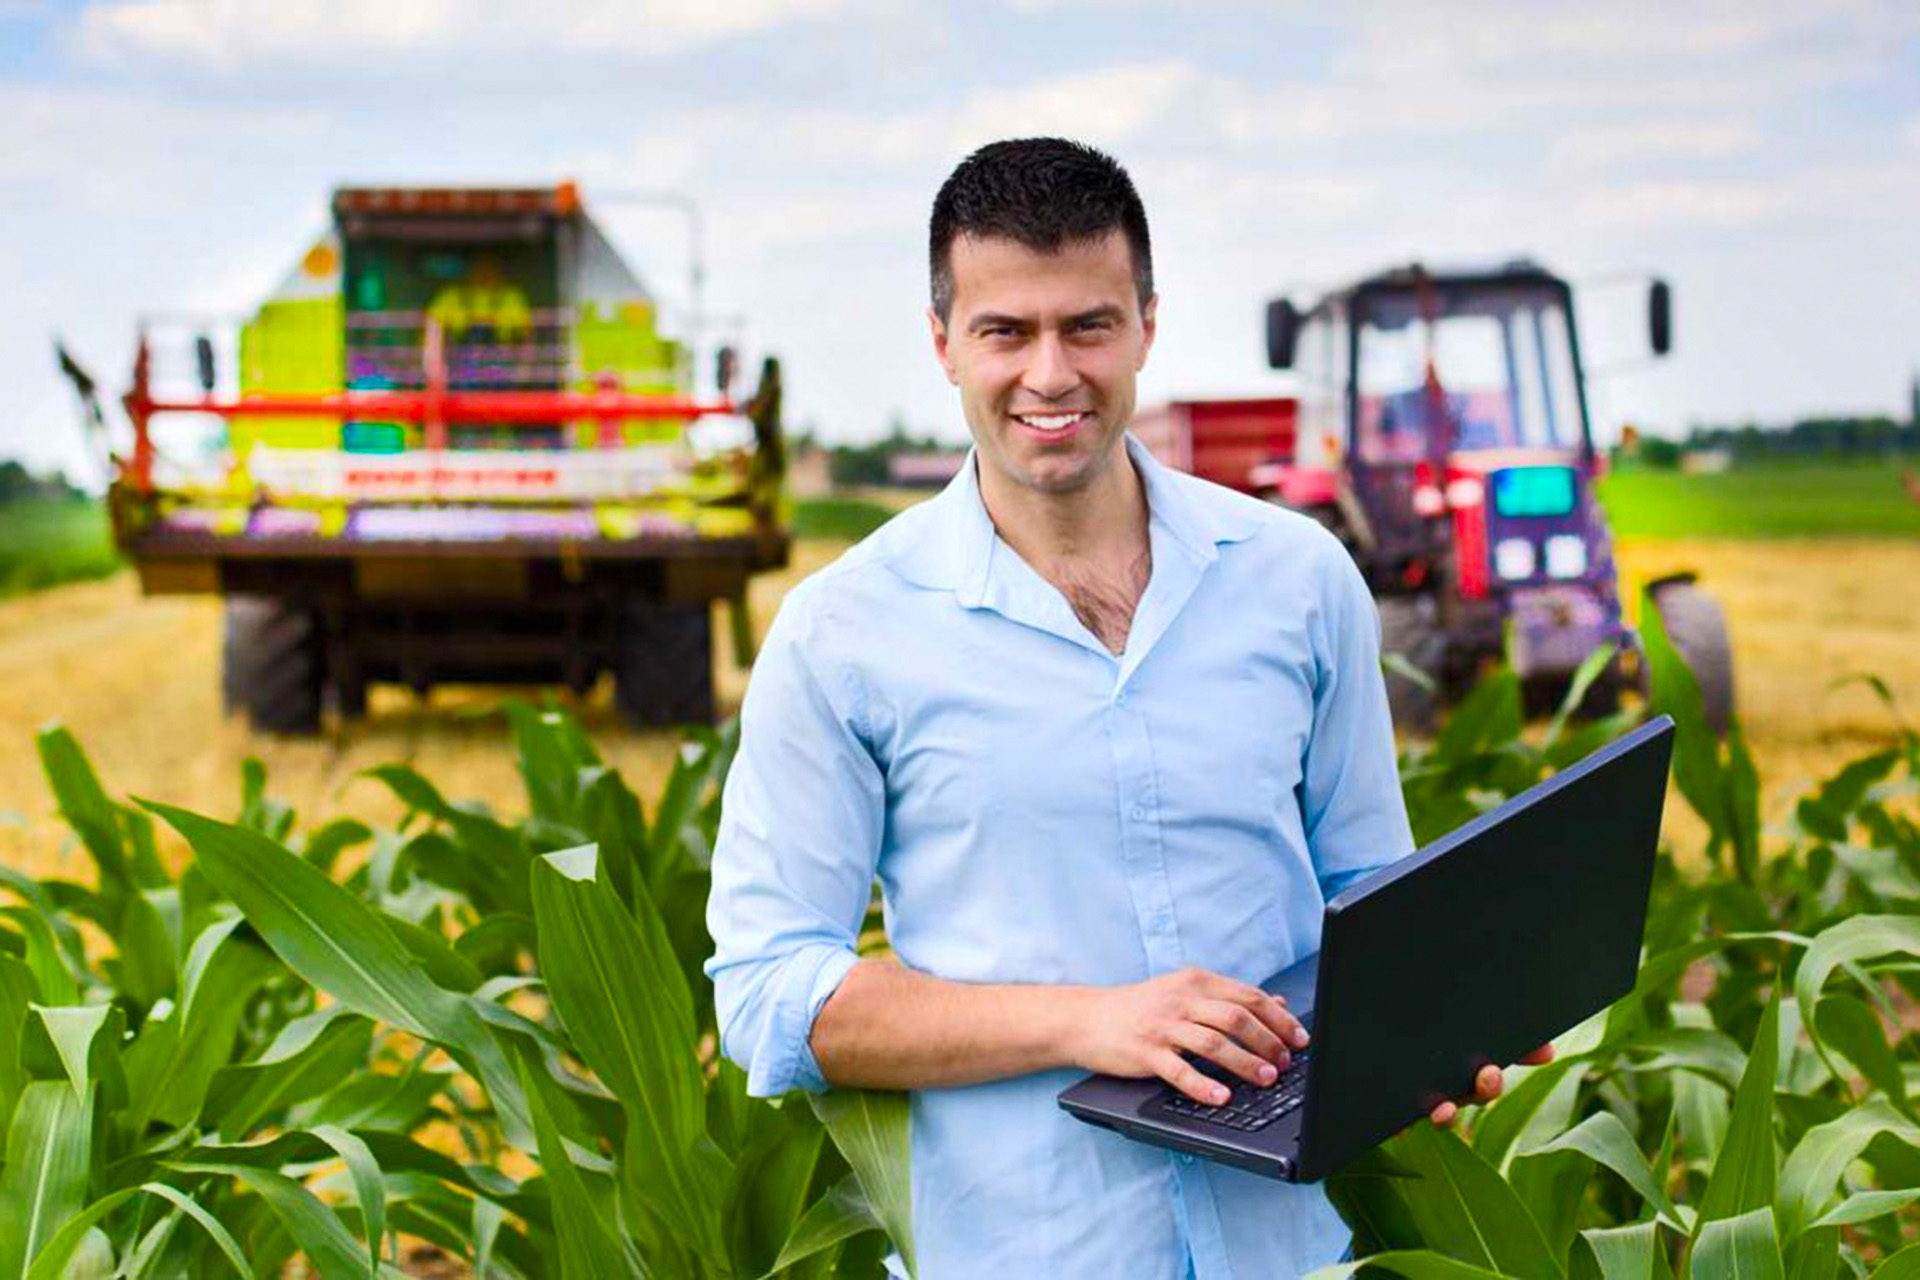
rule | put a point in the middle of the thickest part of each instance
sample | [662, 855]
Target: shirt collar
[953, 547]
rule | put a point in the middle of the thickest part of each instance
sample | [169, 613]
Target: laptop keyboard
[1249, 1108]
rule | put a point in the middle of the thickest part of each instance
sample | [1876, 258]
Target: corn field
[487, 1038]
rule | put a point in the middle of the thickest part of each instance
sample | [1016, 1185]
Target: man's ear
[938, 328]
[1148, 312]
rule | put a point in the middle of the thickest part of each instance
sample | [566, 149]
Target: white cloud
[1670, 138]
[236, 35]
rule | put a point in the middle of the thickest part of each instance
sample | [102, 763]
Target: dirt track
[137, 680]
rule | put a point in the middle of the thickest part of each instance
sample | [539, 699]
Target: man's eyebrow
[994, 320]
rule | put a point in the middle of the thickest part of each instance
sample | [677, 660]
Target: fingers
[1487, 1084]
[1272, 1011]
[1444, 1113]
[1218, 1046]
[1190, 1080]
[1240, 1023]
[1539, 1057]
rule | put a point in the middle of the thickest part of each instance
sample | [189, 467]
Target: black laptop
[1479, 948]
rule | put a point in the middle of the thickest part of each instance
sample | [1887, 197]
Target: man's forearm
[888, 1027]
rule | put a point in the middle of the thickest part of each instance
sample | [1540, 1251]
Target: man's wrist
[1065, 1026]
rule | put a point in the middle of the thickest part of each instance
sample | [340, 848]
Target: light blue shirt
[928, 709]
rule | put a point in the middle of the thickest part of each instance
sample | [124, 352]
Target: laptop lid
[1482, 946]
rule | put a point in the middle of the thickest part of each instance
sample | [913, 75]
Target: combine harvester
[457, 449]
[1440, 429]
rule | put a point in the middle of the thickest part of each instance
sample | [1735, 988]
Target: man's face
[1044, 348]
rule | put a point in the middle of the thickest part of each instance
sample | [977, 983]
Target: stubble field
[137, 680]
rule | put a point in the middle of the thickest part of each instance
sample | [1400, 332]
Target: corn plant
[1746, 1111]
[267, 1059]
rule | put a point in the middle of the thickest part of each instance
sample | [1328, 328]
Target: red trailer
[1246, 444]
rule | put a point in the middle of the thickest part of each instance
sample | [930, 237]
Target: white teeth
[1049, 421]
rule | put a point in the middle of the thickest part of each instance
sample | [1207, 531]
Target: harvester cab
[454, 443]
[1444, 434]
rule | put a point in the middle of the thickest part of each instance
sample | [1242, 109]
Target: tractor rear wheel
[1698, 629]
[273, 664]
[1409, 629]
[663, 663]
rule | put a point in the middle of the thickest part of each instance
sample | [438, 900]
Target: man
[1108, 735]
[483, 307]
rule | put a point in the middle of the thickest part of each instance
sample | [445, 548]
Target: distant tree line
[866, 464]
[17, 484]
[1837, 437]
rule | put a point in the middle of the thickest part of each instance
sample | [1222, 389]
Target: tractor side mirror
[203, 362]
[1283, 328]
[1660, 317]
[725, 365]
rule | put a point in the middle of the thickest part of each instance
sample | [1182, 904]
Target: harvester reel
[1697, 627]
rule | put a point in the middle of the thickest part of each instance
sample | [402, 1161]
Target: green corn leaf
[1711, 1053]
[767, 1186]
[1623, 1253]
[174, 1059]
[1603, 1139]
[1550, 1186]
[1701, 1113]
[1815, 1255]
[1584, 675]
[615, 983]
[1814, 1167]
[479, 834]
[324, 846]
[377, 1100]
[344, 947]
[588, 1249]
[51, 975]
[1904, 1265]
[145, 971]
[49, 1155]
[552, 754]
[1696, 755]
[446, 966]
[1744, 1172]
[1413, 1264]
[369, 1186]
[51, 1263]
[1865, 1206]
[1844, 1024]
[310, 1056]
[84, 806]
[1741, 1247]
[17, 993]
[1466, 1210]
[316, 1230]
[1859, 938]
[839, 1215]
[1740, 793]
[870, 1127]
[81, 1043]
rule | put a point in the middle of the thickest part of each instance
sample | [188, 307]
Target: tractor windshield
[1465, 369]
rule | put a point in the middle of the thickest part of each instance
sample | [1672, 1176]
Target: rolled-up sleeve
[1351, 805]
[800, 829]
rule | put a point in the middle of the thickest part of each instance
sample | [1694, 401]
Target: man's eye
[1093, 326]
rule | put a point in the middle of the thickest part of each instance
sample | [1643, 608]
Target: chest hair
[1105, 601]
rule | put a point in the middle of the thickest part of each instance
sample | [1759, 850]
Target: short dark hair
[1044, 193]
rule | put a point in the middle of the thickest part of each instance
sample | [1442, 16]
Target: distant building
[1706, 461]
[924, 470]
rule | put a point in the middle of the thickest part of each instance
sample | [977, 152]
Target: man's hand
[1141, 1030]
[1487, 1086]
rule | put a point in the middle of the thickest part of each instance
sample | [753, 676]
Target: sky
[1763, 156]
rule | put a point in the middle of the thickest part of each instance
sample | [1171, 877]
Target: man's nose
[1050, 373]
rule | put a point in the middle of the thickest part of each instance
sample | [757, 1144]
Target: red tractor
[1440, 430]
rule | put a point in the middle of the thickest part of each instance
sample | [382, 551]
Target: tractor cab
[1443, 433]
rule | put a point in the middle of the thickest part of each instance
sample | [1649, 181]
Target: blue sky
[1764, 156]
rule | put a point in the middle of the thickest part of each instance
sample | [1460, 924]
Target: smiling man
[1107, 734]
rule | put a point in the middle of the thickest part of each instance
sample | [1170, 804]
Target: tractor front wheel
[1697, 627]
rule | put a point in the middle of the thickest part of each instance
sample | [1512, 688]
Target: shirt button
[1139, 813]
[1120, 698]
[1185, 1158]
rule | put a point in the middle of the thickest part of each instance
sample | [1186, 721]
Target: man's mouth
[1051, 422]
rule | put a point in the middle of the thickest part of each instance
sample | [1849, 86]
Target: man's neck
[1102, 526]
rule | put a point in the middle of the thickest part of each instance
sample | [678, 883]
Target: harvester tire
[1409, 629]
[1698, 629]
[273, 664]
[663, 663]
